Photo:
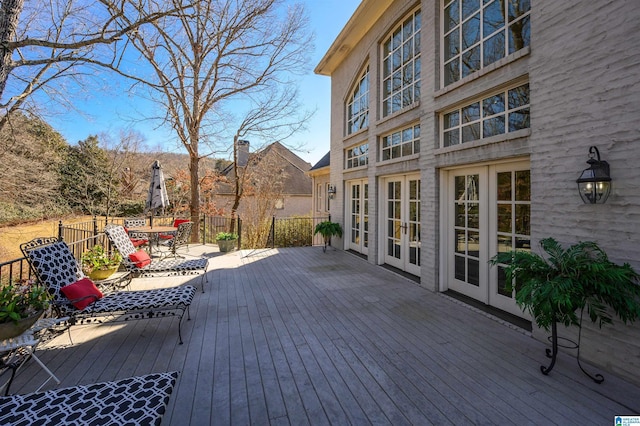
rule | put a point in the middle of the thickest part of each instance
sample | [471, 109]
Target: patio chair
[141, 266]
[170, 235]
[138, 239]
[139, 400]
[181, 239]
[55, 267]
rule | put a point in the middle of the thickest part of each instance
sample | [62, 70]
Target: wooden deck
[297, 336]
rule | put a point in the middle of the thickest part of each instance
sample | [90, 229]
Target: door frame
[403, 263]
[487, 229]
[478, 293]
[361, 248]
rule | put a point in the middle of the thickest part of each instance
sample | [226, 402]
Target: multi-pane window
[478, 33]
[514, 217]
[401, 65]
[319, 203]
[358, 105]
[504, 112]
[357, 156]
[401, 143]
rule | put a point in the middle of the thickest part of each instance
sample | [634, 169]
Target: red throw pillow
[140, 258]
[82, 293]
[138, 243]
[179, 221]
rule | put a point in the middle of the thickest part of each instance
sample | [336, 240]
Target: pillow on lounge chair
[140, 258]
[137, 242]
[82, 293]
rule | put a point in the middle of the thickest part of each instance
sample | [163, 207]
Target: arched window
[358, 104]
[401, 65]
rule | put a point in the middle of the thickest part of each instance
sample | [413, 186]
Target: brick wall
[585, 91]
[583, 66]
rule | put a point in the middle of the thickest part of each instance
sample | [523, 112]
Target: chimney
[243, 153]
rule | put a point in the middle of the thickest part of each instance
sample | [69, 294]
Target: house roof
[297, 182]
[324, 162]
[359, 24]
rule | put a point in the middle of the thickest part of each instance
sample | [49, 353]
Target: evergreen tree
[85, 177]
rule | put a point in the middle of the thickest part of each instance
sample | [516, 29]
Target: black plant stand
[553, 352]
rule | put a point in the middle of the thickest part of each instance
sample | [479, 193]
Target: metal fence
[80, 237]
[295, 231]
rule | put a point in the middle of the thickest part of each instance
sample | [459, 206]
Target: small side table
[116, 282]
[17, 350]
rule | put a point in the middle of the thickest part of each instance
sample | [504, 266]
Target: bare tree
[276, 115]
[263, 190]
[122, 170]
[215, 63]
[30, 155]
[43, 41]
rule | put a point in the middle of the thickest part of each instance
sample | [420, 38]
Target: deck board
[298, 336]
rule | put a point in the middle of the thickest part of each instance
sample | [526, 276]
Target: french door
[487, 210]
[358, 216]
[401, 223]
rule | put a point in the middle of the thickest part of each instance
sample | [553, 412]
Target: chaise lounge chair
[122, 243]
[140, 400]
[138, 239]
[56, 268]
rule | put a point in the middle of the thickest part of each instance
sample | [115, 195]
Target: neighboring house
[323, 192]
[276, 176]
[459, 128]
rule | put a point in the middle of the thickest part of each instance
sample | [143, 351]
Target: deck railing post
[204, 228]
[273, 232]
[60, 231]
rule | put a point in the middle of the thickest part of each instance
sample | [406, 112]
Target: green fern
[561, 285]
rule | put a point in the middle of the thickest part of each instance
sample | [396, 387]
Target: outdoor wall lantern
[332, 191]
[594, 184]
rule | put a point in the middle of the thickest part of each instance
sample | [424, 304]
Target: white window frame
[401, 143]
[456, 18]
[319, 199]
[356, 156]
[470, 123]
[357, 108]
[401, 61]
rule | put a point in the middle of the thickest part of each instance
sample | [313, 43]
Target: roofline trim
[365, 16]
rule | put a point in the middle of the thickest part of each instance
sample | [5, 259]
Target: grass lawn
[12, 236]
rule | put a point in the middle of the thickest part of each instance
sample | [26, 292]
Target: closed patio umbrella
[157, 198]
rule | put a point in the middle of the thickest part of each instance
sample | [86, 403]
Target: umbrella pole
[151, 220]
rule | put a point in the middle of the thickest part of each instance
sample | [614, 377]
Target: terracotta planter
[11, 329]
[227, 245]
[102, 274]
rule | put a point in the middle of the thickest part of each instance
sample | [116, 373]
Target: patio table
[154, 233]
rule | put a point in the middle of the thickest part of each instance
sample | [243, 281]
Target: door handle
[404, 228]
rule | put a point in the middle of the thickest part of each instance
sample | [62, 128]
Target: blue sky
[110, 112]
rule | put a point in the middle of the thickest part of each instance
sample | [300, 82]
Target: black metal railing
[295, 231]
[82, 236]
[212, 225]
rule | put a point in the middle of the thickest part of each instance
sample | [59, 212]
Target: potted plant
[559, 286]
[99, 264]
[21, 304]
[328, 229]
[226, 241]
